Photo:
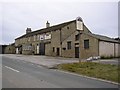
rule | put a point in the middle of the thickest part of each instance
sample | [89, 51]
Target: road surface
[22, 74]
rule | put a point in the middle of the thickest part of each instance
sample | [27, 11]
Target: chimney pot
[47, 24]
[28, 30]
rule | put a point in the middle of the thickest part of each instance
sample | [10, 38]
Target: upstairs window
[28, 38]
[34, 37]
[37, 37]
[86, 44]
[77, 37]
[69, 45]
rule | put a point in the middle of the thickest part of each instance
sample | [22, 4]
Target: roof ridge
[48, 29]
[56, 25]
[102, 37]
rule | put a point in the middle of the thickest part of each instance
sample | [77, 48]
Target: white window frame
[34, 38]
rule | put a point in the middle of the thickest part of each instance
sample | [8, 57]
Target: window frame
[69, 45]
[86, 44]
[34, 38]
[77, 37]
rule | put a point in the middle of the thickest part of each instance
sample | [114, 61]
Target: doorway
[37, 49]
[42, 48]
[58, 51]
[76, 52]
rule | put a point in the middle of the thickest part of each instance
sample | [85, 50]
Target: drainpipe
[114, 50]
[80, 33]
[61, 42]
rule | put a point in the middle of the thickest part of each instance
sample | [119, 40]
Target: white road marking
[12, 69]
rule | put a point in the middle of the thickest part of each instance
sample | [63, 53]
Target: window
[69, 45]
[86, 44]
[34, 37]
[64, 48]
[37, 37]
[28, 38]
[77, 37]
[53, 49]
[76, 43]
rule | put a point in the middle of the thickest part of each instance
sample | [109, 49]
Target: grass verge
[97, 70]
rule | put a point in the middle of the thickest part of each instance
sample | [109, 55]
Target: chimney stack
[47, 24]
[28, 30]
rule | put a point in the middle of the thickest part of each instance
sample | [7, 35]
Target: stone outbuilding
[10, 49]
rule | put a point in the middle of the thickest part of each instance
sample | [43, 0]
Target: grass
[109, 57]
[97, 70]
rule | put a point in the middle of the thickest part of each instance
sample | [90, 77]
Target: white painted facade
[37, 49]
[16, 50]
[48, 36]
[117, 49]
[42, 37]
[79, 25]
[108, 49]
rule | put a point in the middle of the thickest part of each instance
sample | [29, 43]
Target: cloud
[100, 18]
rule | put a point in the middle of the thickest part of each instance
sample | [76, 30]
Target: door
[58, 51]
[37, 49]
[42, 48]
[76, 52]
[16, 50]
[20, 49]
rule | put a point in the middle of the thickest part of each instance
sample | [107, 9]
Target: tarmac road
[22, 74]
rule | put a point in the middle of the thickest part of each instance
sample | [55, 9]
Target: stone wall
[10, 49]
[93, 46]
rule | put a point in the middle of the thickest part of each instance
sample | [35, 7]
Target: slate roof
[44, 30]
[59, 26]
[103, 38]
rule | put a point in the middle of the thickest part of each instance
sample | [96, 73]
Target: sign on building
[48, 36]
[16, 50]
[41, 37]
[79, 23]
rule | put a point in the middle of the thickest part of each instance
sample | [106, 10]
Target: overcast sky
[100, 17]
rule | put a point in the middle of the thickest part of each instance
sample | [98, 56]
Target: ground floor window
[69, 45]
[27, 47]
[86, 44]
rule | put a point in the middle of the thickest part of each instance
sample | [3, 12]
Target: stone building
[68, 39]
[10, 49]
[2, 49]
[7, 49]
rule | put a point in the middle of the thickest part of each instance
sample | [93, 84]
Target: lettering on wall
[42, 37]
[48, 36]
